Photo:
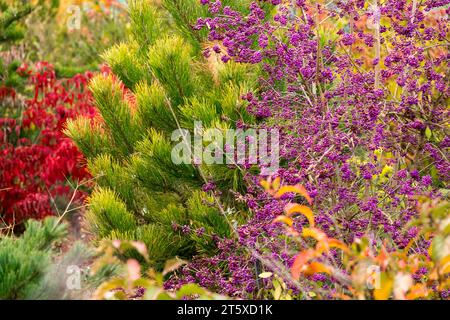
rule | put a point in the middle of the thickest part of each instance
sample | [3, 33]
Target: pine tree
[27, 268]
[10, 29]
[33, 266]
[140, 193]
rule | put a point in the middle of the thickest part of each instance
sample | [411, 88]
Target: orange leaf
[294, 208]
[316, 267]
[314, 233]
[294, 189]
[284, 219]
[417, 291]
[300, 263]
[342, 296]
[333, 243]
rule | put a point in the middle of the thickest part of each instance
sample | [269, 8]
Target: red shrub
[36, 159]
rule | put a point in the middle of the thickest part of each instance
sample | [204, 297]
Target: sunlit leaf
[189, 290]
[134, 269]
[384, 290]
[316, 267]
[163, 295]
[445, 265]
[294, 208]
[172, 265]
[152, 293]
[402, 283]
[314, 233]
[438, 247]
[428, 133]
[265, 275]
[300, 263]
[333, 243]
[284, 219]
[294, 189]
[417, 291]
[277, 290]
[276, 183]
[120, 295]
[104, 288]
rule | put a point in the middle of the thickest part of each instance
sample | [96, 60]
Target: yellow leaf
[284, 219]
[265, 184]
[387, 170]
[277, 292]
[294, 189]
[333, 243]
[419, 290]
[276, 183]
[294, 208]
[430, 249]
[265, 275]
[383, 292]
[445, 265]
[314, 233]
[104, 288]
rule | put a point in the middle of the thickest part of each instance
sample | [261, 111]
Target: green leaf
[190, 289]
[277, 290]
[428, 133]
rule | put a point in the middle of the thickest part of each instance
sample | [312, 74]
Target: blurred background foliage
[73, 34]
[70, 34]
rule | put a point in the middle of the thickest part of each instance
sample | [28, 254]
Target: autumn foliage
[37, 162]
[367, 270]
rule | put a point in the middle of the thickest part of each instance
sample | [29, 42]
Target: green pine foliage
[10, 17]
[140, 193]
[26, 261]
[34, 265]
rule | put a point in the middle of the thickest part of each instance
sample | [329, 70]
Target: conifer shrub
[28, 266]
[159, 81]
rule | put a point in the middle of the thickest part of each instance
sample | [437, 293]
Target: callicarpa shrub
[359, 91]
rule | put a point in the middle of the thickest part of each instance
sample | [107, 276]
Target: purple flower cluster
[363, 118]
